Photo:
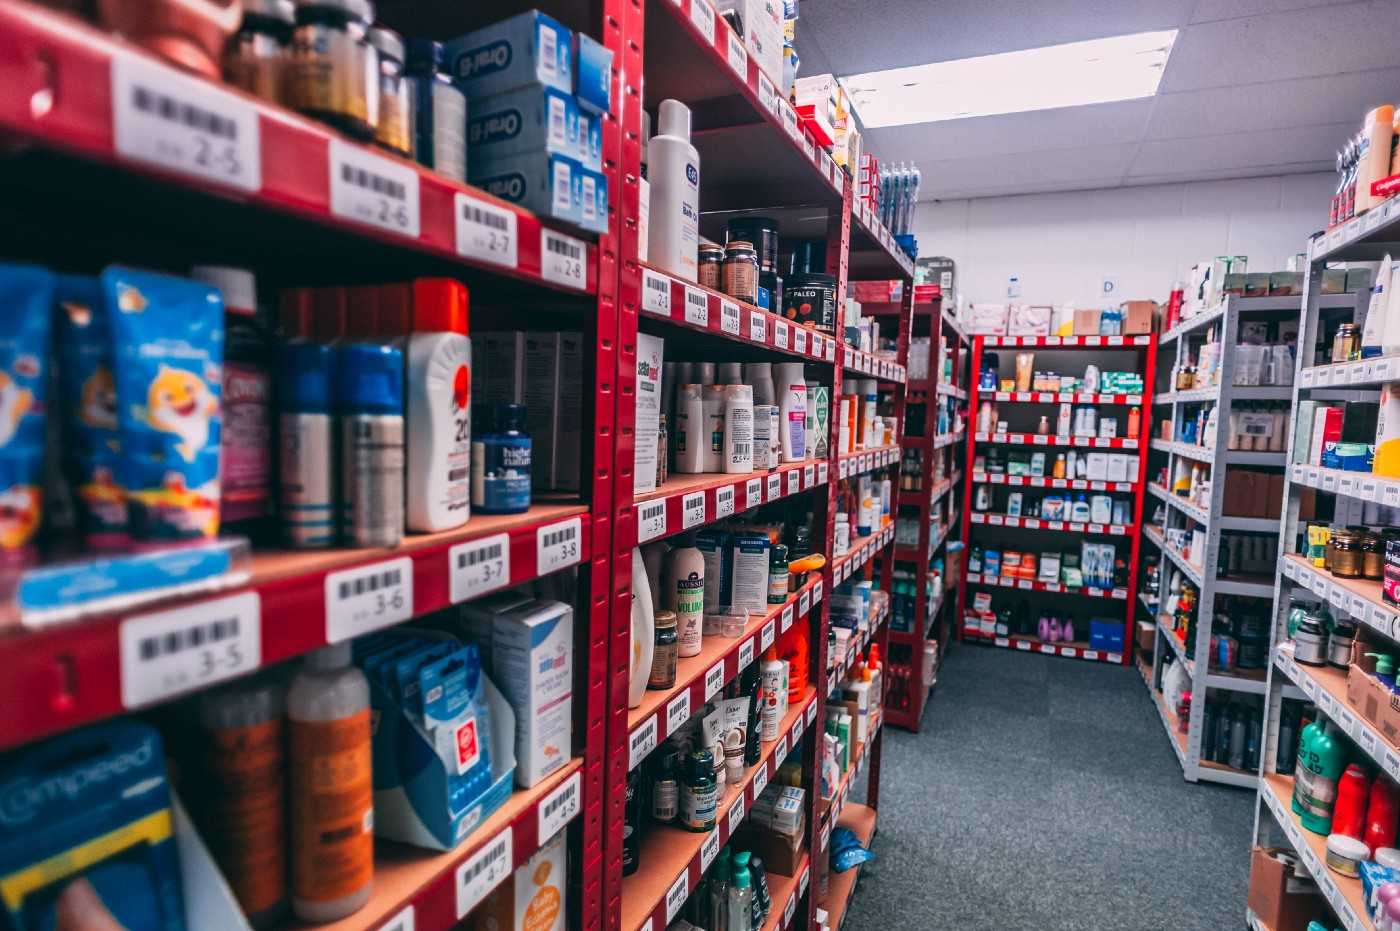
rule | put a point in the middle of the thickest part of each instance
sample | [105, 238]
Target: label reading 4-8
[368, 598]
[373, 190]
[172, 652]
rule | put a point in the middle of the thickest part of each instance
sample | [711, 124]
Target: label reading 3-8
[558, 545]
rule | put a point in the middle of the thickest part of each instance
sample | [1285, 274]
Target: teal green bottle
[1321, 759]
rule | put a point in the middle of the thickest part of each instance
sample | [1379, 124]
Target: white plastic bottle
[691, 441]
[731, 373]
[793, 404]
[1390, 333]
[738, 429]
[767, 441]
[644, 193]
[328, 731]
[673, 169]
[1377, 310]
[712, 407]
[643, 631]
[437, 474]
[870, 398]
[684, 593]
[771, 681]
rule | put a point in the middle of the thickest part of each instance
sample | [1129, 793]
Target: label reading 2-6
[373, 190]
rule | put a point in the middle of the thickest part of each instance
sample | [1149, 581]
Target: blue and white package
[86, 828]
[593, 74]
[554, 186]
[590, 138]
[525, 120]
[168, 348]
[458, 723]
[529, 48]
[26, 296]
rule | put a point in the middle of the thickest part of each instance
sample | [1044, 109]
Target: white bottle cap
[238, 286]
[674, 119]
[335, 656]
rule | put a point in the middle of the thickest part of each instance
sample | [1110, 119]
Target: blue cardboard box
[532, 119]
[593, 69]
[529, 48]
[550, 185]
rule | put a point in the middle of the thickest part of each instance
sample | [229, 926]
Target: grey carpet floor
[1042, 795]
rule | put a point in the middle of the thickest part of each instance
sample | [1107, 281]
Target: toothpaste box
[529, 48]
[523, 120]
[532, 658]
[592, 74]
[551, 185]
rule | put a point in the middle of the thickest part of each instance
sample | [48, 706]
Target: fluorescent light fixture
[1069, 75]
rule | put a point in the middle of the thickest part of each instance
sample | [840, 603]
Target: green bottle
[1321, 759]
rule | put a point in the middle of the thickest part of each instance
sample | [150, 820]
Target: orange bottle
[1134, 422]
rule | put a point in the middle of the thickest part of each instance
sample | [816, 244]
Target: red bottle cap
[440, 305]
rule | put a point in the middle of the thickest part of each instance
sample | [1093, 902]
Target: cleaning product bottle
[332, 793]
[1349, 812]
[643, 631]
[437, 474]
[673, 169]
[738, 429]
[793, 393]
[685, 594]
[774, 693]
[740, 895]
[1382, 811]
[1321, 759]
[644, 194]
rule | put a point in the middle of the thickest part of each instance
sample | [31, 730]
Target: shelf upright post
[970, 456]
[1149, 384]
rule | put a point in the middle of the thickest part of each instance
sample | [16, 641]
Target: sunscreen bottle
[437, 475]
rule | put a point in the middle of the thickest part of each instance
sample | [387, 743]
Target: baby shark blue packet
[26, 296]
[168, 348]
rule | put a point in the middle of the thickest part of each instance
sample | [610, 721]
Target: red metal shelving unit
[1145, 347]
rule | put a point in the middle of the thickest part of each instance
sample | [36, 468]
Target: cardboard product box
[528, 119]
[554, 408]
[532, 651]
[987, 320]
[936, 269]
[1146, 636]
[1028, 320]
[1326, 432]
[650, 353]
[1366, 694]
[763, 35]
[529, 48]
[530, 899]
[1243, 496]
[1285, 283]
[498, 367]
[1139, 317]
[1086, 321]
[592, 74]
[1278, 899]
[780, 854]
[551, 185]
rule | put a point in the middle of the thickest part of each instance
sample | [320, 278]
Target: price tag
[811, 151]
[817, 592]
[697, 307]
[165, 118]
[558, 545]
[794, 482]
[735, 54]
[831, 350]
[809, 476]
[996, 520]
[1329, 480]
[709, 849]
[482, 872]
[760, 778]
[1047, 648]
[651, 520]
[753, 493]
[787, 617]
[1025, 584]
[714, 680]
[844, 468]
[641, 743]
[780, 752]
[559, 808]
[789, 116]
[656, 293]
[736, 814]
[766, 636]
[486, 232]
[724, 502]
[1367, 739]
[677, 894]
[373, 190]
[703, 19]
[767, 96]
[804, 602]
[799, 341]
[678, 712]
[804, 880]
[728, 317]
[789, 909]
[562, 260]
[1390, 495]
[368, 598]
[171, 652]
[403, 921]
[478, 566]
[758, 327]
[692, 510]
[1392, 764]
[745, 654]
[780, 334]
[775, 487]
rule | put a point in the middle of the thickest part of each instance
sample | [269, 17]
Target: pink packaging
[987, 319]
[1028, 320]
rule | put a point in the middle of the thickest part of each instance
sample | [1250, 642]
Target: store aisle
[1042, 795]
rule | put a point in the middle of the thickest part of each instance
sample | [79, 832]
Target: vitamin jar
[1346, 345]
[711, 265]
[190, 34]
[333, 75]
[1344, 556]
[1390, 578]
[665, 654]
[1372, 555]
[741, 271]
[810, 301]
[256, 56]
[394, 128]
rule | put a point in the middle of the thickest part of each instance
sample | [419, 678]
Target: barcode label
[678, 712]
[775, 487]
[403, 921]
[760, 778]
[368, 598]
[656, 293]
[176, 651]
[482, 872]
[709, 849]
[559, 808]
[823, 472]
[168, 119]
[697, 307]
[651, 520]
[478, 566]
[805, 600]
[704, 19]
[734, 52]
[724, 502]
[370, 189]
[714, 680]
[780, 334]
[780, 752]
[641, 743]
[753, 493]
[811, 713]
[809, 476]
[557, 137]
[794, 482]
[736, 814]
[810, 148]
[758, 327]
[558, 545]
[562, 258]
[677, 894]
[728, 317]
[831, 350]
[787, 616]
[789, 116]
[765, 636]
[799, 341]
[745, 654]
[806, 878]
[486, 232]
[767, 96]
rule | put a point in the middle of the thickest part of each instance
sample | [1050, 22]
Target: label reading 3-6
[368, 598]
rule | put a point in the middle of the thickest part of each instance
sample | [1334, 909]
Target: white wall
[1061, 245]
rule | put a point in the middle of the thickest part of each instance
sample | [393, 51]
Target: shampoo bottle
[794, 410]
[643, 632]
[437, 473]
[673, 171]
[712, 411]
[691, 441]
[774, 690]
[767, 440]
[685, 595]
[738, 429]
[1321, 759]
[1377, 310]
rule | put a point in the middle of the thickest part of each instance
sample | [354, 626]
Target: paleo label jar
[810, 301]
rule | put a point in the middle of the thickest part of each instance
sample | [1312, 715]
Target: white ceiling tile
[1212, 10]
[1279, 147]
[1043, 168]
[1068, 128]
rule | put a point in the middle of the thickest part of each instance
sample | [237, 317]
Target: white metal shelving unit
[1179, 513]
[1363, 239]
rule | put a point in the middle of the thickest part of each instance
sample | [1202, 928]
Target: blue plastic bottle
[501, 462]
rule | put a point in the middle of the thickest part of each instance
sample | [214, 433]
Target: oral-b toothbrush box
[590, 141]
[86, 824]
[592, 74]
[532, 656]
[529, 48]
[524, 120]
[550, 185]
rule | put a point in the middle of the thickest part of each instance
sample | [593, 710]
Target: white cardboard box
[650, 354]
[532, 651]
